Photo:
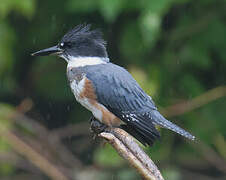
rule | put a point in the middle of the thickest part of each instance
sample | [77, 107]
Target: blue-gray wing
[117, 90]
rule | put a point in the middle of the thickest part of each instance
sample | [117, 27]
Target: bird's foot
[96, 127]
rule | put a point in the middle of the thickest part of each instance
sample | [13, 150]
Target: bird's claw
[96, 126]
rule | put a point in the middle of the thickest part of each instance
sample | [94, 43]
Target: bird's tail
[158, 119]
[142, 127]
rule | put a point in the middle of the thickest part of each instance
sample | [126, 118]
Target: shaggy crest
[83, 30]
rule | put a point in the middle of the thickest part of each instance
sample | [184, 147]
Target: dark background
[175, 49]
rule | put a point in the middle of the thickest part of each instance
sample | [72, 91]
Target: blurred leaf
[7, 39]
[171, 174]
[5, 7]
[5, 112]
[160, 6]
[150, 27]
[151, 19]
[131, 45]
[25, 7]
[6, 169]
[148, 83]
[107, 156]
[220, 144]
[111, 9]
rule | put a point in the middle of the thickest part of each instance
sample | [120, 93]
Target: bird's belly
[99, 111]
[77, 89]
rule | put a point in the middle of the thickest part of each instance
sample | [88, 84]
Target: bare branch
[196, 102]
[130, 151]
[36, 158]
[46, 137]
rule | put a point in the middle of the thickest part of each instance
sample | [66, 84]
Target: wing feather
[116, 88]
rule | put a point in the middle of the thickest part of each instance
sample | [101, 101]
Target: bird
[107, 90]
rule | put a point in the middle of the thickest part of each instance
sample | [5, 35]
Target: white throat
[85, 61]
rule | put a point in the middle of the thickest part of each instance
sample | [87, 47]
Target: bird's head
[80, 42]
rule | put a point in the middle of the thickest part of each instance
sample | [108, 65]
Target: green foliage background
[175, 49]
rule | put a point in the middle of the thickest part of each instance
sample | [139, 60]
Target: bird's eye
[62, 45]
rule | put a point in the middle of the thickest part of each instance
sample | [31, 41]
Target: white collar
[85, 61]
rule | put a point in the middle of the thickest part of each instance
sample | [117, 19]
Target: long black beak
[48, 51]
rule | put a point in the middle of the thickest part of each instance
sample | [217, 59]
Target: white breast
[77, 89]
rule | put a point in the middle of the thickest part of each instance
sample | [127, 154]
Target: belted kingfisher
[106, 89]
